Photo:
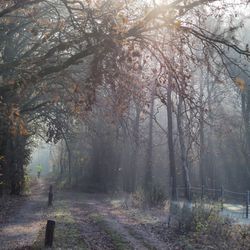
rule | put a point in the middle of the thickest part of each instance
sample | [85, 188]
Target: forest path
[84, 221]
[104, 225]
[96, 221]
[22, 226]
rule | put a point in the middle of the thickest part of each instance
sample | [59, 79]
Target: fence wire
[235, 203]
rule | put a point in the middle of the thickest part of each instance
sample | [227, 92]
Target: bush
[141, 199]
[202, 225]
[158, 196]
[138, 198]
[201, 218]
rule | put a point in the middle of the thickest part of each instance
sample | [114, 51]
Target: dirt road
[105, 225]
[96, 223]
[89, 221]
[23, 224]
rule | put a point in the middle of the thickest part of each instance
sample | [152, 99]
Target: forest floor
[94, 221]
[22, 217]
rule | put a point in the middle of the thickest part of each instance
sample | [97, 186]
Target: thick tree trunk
[61, 160]
[14, 146]
[131, 146]
[69, 156]
[245, 100]
[211, 163]
[171, 143]
[17, 164]
[184, 163]
[133, 162]
[148, 181]
[69, 161]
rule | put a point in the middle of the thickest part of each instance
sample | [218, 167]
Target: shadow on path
[22, 227]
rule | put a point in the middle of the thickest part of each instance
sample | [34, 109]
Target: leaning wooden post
[221, 197]
[49, 235]
[50, 198]
[247, 204]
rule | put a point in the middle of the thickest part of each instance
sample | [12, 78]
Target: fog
[118, 107]
[41, 155]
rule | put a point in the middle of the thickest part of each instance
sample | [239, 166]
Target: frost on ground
[98, 222]
[24, 222]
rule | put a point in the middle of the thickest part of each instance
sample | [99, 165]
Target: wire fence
[230, 201]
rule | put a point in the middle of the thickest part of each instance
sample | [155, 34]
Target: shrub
[138, 198]
[142, 199]
[202, 226]
[200, 218]
[158, 196]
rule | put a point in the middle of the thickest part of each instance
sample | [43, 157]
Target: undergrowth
[155, 198]
[202, 227]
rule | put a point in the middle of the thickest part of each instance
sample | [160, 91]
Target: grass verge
[67, 234]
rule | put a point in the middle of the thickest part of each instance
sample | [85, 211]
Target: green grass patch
[67, 234]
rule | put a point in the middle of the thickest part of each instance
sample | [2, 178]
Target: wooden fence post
[50, 198]
[49, 235]
[221, 198]
[247, 204]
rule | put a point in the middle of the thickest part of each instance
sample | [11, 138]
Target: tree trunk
[171, 143]
[202, 137]
[245, 100]
[69, 157]
[134, 156]
[184, 163]
[211, 163]
[148, 181]
[61, 160]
